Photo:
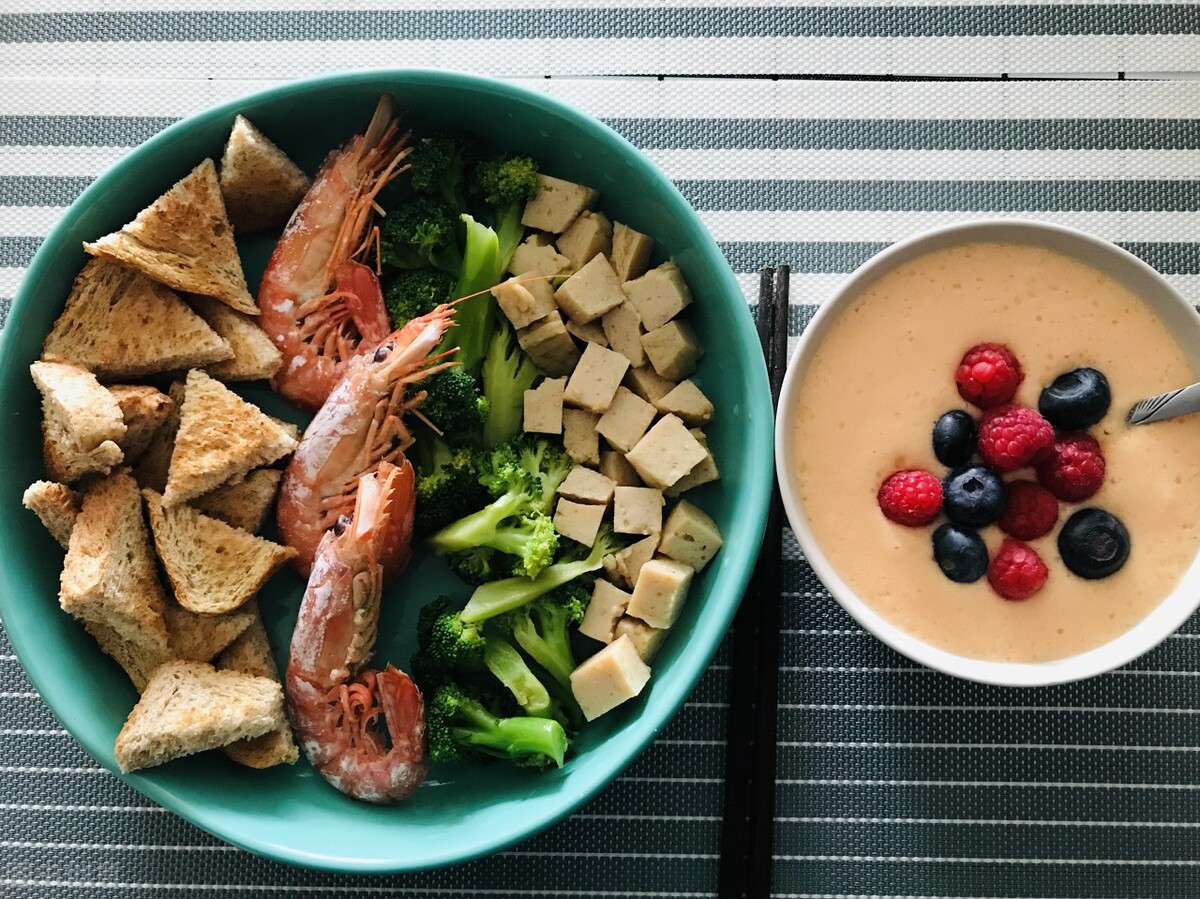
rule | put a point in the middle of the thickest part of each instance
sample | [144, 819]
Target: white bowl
[1153, 289]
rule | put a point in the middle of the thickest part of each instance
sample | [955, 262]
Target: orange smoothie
[883, 374]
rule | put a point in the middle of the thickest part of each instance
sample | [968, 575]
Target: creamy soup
[885, 372]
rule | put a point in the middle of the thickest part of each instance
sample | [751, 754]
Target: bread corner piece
[57, 505]
[213, 567]
[245, 504]
[184, 240]
[255, 356]
[251, 654]
[189, 707]
[109, 580]
[82, 423]
[144, 409]
[221, 437]
[261, 185]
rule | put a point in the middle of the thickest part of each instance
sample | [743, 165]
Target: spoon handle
[1166, 405]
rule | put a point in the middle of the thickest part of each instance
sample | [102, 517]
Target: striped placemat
[892, 781]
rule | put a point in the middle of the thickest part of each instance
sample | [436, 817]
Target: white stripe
[32, 732]
[10, 280]
[19, 694]
[82, 807]
[48, 6]
[62, 162]
[988, 822]
[51, 769]
[119, 847]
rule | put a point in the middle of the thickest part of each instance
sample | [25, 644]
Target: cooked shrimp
[337, 707]
[315, 302]
[360, 425]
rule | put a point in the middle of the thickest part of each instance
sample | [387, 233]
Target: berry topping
[988, 375]
[912, 497]
[1076, 400]
[1093, 543]
[1012, 437]
[1074, 468]
[1017, 571]
[973, 496]
[1031, 513]
[954, 438]
[960, 553]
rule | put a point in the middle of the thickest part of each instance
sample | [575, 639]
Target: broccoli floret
[547, 461]
[481, 564]
[511, 669]
[421, 233]
[507, 373]
[542, 627]
[496, 597]
[453, 403]
[438, 168]
[447, 485]
[415, 292]
[506, 183]
[460, 726]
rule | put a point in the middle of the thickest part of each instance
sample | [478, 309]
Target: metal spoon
[1165, 405]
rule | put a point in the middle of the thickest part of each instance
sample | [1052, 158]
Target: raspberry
[1012, 437]
[1074, 468]
[1017, 571]
[1032, 511]
[988, 375]
[912, 497]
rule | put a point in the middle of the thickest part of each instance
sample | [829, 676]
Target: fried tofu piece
[666, 453]
[630, 252]
[625, 421]
[590, 292]
[661, 589]
[637, 510]
[590, 235]
[659, 295]
[690, 536]
[673, 350]
[578, 521]
[596, 378]
[604, 610]
[612, 676]
[556, 204]
[543, 407]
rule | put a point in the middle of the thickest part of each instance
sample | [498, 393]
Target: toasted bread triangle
[251, 654]
[189, 707]
[82, 425]
[261, 185]
[200, 637]
[184, 240]
[254, 355]
[221, 437]
[245, 504]
[213, 567]
[120, 324]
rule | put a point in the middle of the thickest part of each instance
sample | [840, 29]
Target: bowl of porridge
[965, 556]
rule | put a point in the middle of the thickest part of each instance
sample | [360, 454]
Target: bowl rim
[752, 504]
[1159, 623]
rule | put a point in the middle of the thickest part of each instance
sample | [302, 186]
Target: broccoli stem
[497, 597]
[511, 738]
[550, 647]
[478, 528]
[509, 231]
[511, 670]
[507, 374]
[475, 317]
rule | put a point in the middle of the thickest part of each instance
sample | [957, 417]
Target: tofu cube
[705, 471]
[578, 521]
[625, 420]
[549, 345]
[524, 302]
[625, 566]
[660, 591]
[673, 350]
[667, 452]
[589, 235]
[623, 328]
[591, 291]
[690, 536]
[544, 407]
[637, 510]
[647, 383]
[592, 332]
[659, 295]
[614, 467]
[630, 252]
[537, 254]
[689, 403]
[580, 439]
[596, 378]
[585, 485]
[556, 204]
[604, 610]
[645, 639]
[613, 675]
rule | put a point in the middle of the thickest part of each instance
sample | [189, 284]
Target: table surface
[812, 134]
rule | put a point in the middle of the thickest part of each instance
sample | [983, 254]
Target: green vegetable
[447, 484]
[506, 183]
[414, 292]
[420, 233]
[543, 627]
[460, 726]
[507, 374]
[475, 315]
[438, 168]
[455, 405]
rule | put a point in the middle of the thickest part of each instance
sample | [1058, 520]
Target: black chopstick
[747, 831]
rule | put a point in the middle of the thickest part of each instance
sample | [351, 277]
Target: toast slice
[82, 425]
[251, 654]
[109, 580]
[213, 567]
[120, 324]
[57, 505]
[261, 185]
[151, 468]
[144, 409]
[188, 707]
[184, 240]
[221, 437]
[245, 504]
[198, 638]
[254, 355]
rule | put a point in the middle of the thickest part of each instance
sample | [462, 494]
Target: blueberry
[1093, 543]
[960, 553]
[954, 438]
[1076, 400]
[973, 496]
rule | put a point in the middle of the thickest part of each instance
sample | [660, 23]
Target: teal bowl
[462, 812]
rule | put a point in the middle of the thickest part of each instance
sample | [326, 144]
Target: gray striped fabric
[892, 781]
